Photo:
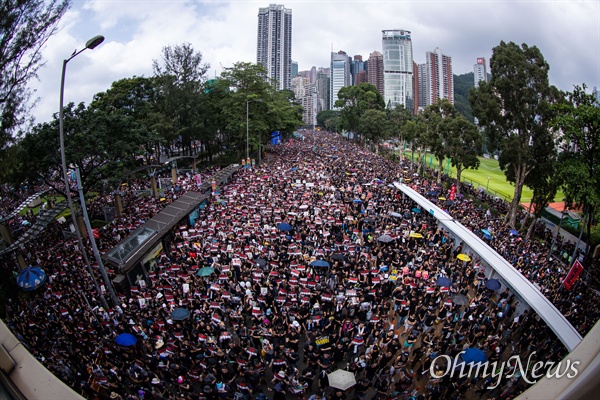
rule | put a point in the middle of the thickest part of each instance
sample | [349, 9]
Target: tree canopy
[513, 107]
[25, 27]
[354, 101]
[437, 117]
[462, 84]
[464, 146]
[579, 171]
[100, 144]
[181, 76]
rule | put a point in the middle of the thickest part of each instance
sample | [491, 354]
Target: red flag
[96, 233]
[452, 192]
[573, 275]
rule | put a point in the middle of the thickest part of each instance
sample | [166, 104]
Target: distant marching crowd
[308, 263]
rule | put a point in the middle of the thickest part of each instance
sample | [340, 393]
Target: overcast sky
[566, 31]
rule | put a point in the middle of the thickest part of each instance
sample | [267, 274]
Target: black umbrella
[179, 314]
[443, 281]
[337, 256]
[369, 219]
[460, 299]
[319, 263]
[261, 262]
[493, 284]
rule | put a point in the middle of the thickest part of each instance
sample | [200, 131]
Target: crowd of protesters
[316, 263]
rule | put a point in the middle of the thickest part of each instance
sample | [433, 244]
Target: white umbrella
[341, 379]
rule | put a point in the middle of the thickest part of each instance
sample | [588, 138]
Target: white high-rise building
[306, 94]
[479, 71]
[340, 76]
[274, 45]
[397, 68]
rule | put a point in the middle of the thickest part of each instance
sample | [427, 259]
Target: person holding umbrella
[338, 394]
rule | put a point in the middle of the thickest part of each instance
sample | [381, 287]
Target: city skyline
[567, 34]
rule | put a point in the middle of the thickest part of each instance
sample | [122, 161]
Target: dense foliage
[25, 27]
[177, 111]
[514, 109]
[462, 84]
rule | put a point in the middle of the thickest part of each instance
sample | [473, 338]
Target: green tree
[579, 172]
[135, 98]
[398, 118]
[354, 101]
[544, 182]
[247, 88]
[25, 27]
[181, 76]
[513, 109]
[100, 144]
[375, 126]
[464, 146]
[212, 133]
[416, 133]
[328, 119]
[282, 114]
[438, 117]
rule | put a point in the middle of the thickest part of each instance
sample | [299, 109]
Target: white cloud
[567, 33]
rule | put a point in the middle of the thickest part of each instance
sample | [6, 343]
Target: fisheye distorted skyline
[566, 32]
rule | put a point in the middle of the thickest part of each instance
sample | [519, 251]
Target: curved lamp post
[91, 44]
[247, 137]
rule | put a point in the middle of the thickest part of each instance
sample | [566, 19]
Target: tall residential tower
[439, 80]
[274, 45]
[480, 71]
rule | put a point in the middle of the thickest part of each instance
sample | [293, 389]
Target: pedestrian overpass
[524, 289]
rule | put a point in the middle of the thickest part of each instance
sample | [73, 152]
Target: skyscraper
[420, 78]
[439, 77]
[375, 70]
[480, 71]
[360, 77]
[397, 68]
[340, 75]
[323, 90]
[274, 45]
[356, 67]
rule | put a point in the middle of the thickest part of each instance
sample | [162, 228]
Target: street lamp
[247, 129]
[488, 185]
[247, 141]
[91, 44]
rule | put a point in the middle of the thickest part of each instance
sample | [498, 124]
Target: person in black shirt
[339, 352]
[338, 395]
[325, 361]
[293, 336]
[361, 388]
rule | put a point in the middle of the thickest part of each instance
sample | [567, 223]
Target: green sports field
[488, 168]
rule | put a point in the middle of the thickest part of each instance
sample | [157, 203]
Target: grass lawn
[488, 168]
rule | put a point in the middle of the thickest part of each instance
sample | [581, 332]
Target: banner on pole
[573, 274]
